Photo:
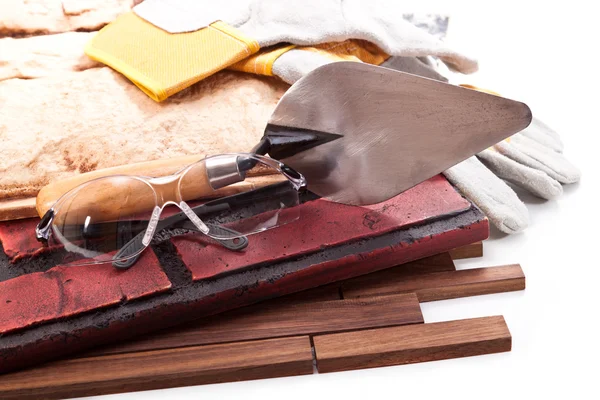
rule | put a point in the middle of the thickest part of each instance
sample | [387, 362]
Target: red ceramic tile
[323, 224]
[65, 291]
[18, 238]
[19, 241]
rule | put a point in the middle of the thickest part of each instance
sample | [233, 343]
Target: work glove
[165, 46]
[534, 165]
[532, 159]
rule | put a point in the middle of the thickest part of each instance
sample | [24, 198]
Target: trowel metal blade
[395, 129]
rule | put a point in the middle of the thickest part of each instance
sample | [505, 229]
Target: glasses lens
[101, 217]
[251, 194]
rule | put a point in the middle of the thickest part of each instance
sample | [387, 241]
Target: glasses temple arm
[237, 243]
[180, 220]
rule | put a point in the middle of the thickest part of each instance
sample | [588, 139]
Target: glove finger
[530, 179]
[434, 24]
[542, 134]
[492, 195]
[532, 154]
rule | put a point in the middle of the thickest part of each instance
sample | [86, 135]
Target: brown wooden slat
[443, 285]
[269, 320]
[162, 369]
[321, 293]
[437, 263]
[469, 251]
[411, 344]
[193, 333]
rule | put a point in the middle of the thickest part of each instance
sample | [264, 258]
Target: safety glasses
[225, 197]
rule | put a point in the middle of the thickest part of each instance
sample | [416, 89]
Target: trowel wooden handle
[194, 186]
[52, 192]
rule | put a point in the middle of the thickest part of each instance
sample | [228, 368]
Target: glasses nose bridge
[166, 189]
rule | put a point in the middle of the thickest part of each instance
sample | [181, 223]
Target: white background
[548, 57]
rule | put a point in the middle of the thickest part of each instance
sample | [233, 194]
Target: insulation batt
[46, 55]
[58, 126]
[18, 17]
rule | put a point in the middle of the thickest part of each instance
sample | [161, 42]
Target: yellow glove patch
[468, 86]
[349, 50]
[161, 63]
[261, 63]
[352, 50]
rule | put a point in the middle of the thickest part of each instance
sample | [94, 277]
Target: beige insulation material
[27, 17]
[47, 55]
[58, 126]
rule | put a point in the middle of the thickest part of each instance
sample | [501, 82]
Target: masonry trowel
[362, 134]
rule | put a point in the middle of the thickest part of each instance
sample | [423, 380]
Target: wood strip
[411, 344]
[270, 320]
[445, 285]
[472, 250]
[328, 292]
[53, 191]
[12, 209]
[437, 263]
[17, 209]
[161, 369]
[380, 280]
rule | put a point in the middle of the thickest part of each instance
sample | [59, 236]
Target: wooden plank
[17, 209]
[270, 320]
[161, 369]
[381, 280]
[437, 263]
[411, 344]
[472, 250]
[328, 292]
[50, 193]
[444, 285]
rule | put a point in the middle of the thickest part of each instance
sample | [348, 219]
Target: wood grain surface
[469, 251]
[331, 291]
[111, 199]
[161, 369]
[273, 338]
[17, 209]
[26, 207]
[385, 280]
[411, 344]
[270, 320]
[437, 263]
[440, 285]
